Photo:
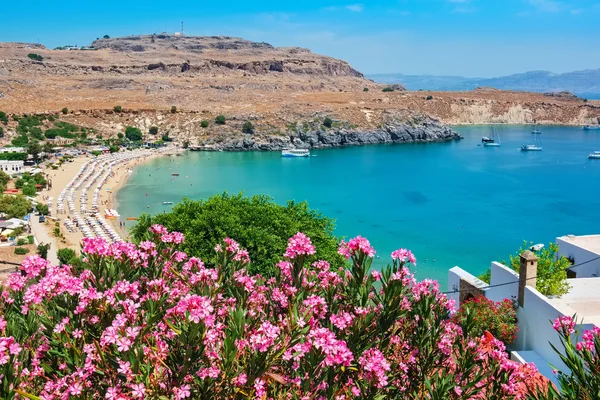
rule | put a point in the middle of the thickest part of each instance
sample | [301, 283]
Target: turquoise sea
[452, 203]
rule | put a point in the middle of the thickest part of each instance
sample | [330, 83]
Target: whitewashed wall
[568, 249]
[502, 275]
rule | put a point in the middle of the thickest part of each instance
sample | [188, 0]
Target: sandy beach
[59, 178]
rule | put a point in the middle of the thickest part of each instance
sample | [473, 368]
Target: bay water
[455, 203]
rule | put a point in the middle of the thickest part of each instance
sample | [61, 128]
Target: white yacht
[591, 127]
[295, 153]
[494, 141]
[594, 155]
[530, 147]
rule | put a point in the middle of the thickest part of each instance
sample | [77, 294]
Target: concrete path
[40, 231]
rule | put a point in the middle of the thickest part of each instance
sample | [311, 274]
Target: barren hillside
[275, 88]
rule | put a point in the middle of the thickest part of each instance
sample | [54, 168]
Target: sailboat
[495, 141]
[537, 146]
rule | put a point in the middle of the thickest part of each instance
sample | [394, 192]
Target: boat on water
[595, 155]
[175, 174]
[530, 147]
[295, 153]
[486, 139]
[166, 203]
[591, 128]
[494, 141]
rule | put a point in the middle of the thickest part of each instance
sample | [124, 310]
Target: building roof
[587, 242]
[583, 298]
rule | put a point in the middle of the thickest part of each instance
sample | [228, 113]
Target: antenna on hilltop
[181, 28]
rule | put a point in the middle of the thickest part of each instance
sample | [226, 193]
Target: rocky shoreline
[424, 131]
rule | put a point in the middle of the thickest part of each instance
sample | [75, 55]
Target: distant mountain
[586, 81]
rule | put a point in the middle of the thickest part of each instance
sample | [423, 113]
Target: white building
[12, 167]
[536, 312]
[13, 150]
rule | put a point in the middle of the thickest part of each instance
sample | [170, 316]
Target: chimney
[527, 273]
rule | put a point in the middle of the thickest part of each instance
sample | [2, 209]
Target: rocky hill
[284, 92]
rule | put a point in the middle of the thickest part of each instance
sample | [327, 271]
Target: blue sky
[482, 38]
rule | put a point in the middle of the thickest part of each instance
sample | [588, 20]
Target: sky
[472, 38]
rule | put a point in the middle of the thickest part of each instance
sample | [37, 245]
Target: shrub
[387, 89]
[66, 256]
[180, 327]
[133, 134]
[30, 239]
[106, 37]
[551, 271]
[20, 141]
[35, 57]
[3, 117]
[186, 144]
[56, 232]
[1, 132]
[204, 123]
[259, 223]
[22, 242]
[500, 318]
[220, 120]
[13, 156]
[65, 110]
[248, 127]
[153, 130]
[21, 250]
[29, 189]
[117, 109]
[42, 250]
[430, 97]
[173, 109]
[165, 138]
[327, 122]
[15, 206]
[114, 149]
[42, 209]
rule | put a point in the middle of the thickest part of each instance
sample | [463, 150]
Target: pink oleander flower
[356, 245]
[240, 380]
[565, 324]
[138, 390]
[336, 351]
[375, 367]
[259, 389]
[298, 245]
[264, 337]
[404, 255]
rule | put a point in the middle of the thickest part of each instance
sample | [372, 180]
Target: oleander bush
[148, 321]
[499, 318]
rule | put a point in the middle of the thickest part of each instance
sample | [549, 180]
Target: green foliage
[42, 250]
[96, 153]
[430, 97]
[13, 156]
[551, 271]
[165, 137]
[35, 57]
[42, 209]
[258, 223]
[36, 133]
[1, 132]
[186, 144]
[29, 189]
[220, 120]
[4, 179]
[65, 110]
[21, 250]
[153, 130]
[133, 134]
[67, 126]
[173, 109]
[204, 123]
[34, 148]
[327, 122]
[19, 183]
[66, 256]
[22, 242]
[48, 148]
[114, 149]
[366, 89]
[248, 127]
[20, 141]
[387, 89]
[481, 314]
[3, 117]
[117, 109]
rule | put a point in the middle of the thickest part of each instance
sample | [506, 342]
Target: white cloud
[350, 7]
[548, 5]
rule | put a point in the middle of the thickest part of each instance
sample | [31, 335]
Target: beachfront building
[13, 150]
[536, 311]
[12, 167]
[60, 141]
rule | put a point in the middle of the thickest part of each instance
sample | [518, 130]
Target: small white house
[12, 167]
[13, 150]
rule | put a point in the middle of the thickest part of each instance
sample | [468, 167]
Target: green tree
[204, 123]
[3, 117]
[551, 271]
[133, 134]
[19, 183]
[186, 144]
[327, 122]
[4, 179]
[15, 206]
[117, 109]
[388, 89]
[366, 89]
[42, 209]
[66, 256]
[220, 120]
[42, 250]
[153, 130]
[258, 224]
[48, 148]
[34, 148]
[65, 110]
[1, 132]
[248, 127]
[114, 149]
[35, 57]
[173, 109]
[29, 189]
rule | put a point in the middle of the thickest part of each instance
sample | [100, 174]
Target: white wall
[502, 275]
[454, 277]
[571, 250]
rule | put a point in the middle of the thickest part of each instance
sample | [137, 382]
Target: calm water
[451, 203]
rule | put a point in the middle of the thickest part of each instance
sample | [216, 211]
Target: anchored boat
[495, 141]
[486, 139]
[591, 127]
[594, 155]
[295, 153]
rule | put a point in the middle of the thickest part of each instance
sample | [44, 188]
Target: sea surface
[452, 203]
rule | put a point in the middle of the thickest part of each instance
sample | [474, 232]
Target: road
[41, 234]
